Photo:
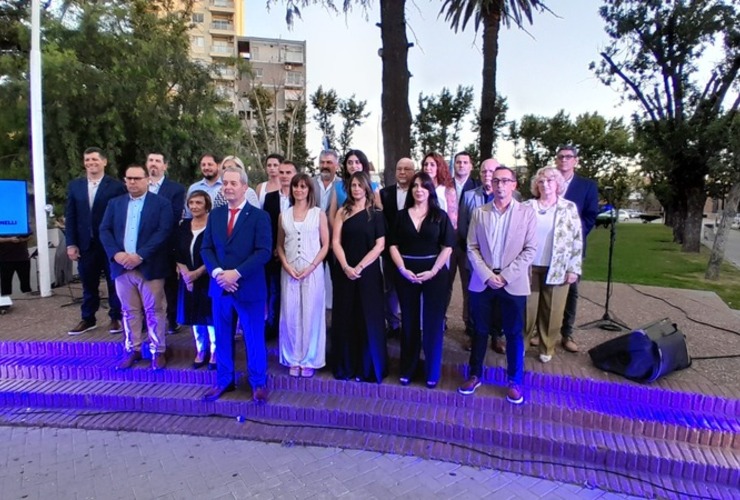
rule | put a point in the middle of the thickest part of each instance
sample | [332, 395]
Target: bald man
[393, 199]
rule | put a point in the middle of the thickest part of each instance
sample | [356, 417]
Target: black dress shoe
[216, 392]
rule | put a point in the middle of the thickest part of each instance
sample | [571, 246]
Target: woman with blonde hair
[557, 262]
[235, 161]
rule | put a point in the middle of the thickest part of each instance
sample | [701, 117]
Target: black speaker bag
[645, 354]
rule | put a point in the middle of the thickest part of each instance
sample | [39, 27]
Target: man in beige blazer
[501, 246]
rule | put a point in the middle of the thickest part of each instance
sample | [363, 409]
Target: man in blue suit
[156, 165]
[237, 244]
[136, 232]
[87, 199]
[584, 193]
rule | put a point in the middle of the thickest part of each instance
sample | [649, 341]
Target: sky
[540, 71]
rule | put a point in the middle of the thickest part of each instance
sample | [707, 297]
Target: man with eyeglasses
[470, 201]
[87, 199]
[136, 232]
[585, 194]
[501, 246]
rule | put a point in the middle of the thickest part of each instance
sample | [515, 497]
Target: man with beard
[210, 183]
[174, 192]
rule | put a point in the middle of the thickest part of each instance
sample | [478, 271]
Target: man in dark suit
[156, 165]
[393, 199]
[135, 233]
[236, 247]
[87, 199]
[459, 259]
[276, 202]
[585, 194]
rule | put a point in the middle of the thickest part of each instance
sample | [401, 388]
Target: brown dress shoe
[498, 344]
[259, 395]
[534, 341]
[216, 392]
[129, 360]
[570, 345]
[159, 361]
[115, 326]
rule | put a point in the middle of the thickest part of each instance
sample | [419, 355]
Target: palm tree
[491, 14]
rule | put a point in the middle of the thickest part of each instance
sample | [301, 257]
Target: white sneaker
[545, 358]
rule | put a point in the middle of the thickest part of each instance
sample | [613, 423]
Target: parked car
[606, 217]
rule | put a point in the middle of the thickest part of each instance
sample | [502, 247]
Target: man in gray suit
[501, 246]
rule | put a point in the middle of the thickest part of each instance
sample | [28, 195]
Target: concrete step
[506, 432]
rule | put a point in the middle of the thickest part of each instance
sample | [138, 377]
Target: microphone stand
[607, 322]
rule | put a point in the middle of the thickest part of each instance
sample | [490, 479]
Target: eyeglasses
[501, 181]
[134, 179]
[566, 157]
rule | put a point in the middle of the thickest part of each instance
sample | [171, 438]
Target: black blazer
[82, 225]
[175, 193]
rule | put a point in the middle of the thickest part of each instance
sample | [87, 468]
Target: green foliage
[491, 14]
[439, 121]
[605, 147]
[353, 115]
[654, 59]
[327, 104]
[115, 75]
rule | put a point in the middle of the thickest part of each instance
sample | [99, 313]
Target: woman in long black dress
[194, 304]
[420, 247]
[358, 336]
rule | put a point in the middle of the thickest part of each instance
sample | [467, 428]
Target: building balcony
[221, 6]
[222, 28]
[222, 51]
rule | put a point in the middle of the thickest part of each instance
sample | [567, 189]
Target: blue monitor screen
[13, 208]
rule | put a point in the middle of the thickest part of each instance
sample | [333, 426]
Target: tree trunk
[695, 199]
[491, 26]
[720, 233]
[396, 119]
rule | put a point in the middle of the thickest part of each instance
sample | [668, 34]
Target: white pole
[37, 153]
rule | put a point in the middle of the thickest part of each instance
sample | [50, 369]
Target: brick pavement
[71, 464]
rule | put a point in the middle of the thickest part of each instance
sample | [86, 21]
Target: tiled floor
[78, 464]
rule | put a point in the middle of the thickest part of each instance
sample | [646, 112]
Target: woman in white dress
[303, 242]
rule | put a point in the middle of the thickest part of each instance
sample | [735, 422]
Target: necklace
[543, 211]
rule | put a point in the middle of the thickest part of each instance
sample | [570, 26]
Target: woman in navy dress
[420, 247]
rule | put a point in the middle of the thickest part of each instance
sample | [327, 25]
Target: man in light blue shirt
[210, 183]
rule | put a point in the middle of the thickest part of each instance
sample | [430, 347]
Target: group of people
[221, 257]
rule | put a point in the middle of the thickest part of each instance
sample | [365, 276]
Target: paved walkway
[78, 464]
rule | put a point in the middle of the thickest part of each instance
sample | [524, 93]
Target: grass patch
[644, 254]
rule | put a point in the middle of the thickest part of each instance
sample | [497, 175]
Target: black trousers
[8, 269]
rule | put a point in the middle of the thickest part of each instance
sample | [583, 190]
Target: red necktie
[232, 218]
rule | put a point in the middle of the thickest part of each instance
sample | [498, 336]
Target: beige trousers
[142, 300]
[545, 308]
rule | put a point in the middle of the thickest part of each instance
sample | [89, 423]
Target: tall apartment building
[277, 65]
[213, 40]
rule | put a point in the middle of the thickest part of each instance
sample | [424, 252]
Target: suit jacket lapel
[240, 220]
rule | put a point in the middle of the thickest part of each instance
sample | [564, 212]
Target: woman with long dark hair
[358, 336]
[420, 247]
[303, 241]
[354, 161]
